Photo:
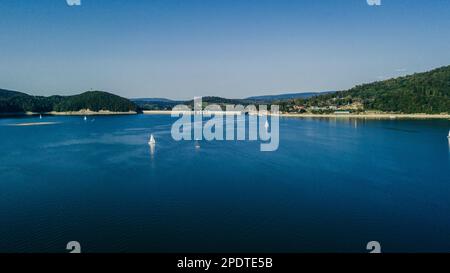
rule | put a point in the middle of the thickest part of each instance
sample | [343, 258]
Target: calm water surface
[333, 185]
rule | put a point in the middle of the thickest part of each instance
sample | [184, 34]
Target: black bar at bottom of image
[221, 262]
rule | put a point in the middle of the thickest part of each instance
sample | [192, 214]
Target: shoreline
[68, 113]
[371, 116]
[359, 116]
[286, 115]
[33, 124]
[88, 113]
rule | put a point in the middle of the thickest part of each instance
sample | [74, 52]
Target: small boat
[266, 125]
[85, 118]
[448, 134]
[40, 116]
[152, 140]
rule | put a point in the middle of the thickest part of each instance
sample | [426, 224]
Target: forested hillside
[17, 102]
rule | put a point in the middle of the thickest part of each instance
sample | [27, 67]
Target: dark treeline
[427, 92]
[17, 102]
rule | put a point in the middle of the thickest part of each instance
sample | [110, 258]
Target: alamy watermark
[374, 2]
[74, 247]
[227, 125]
[73, 2]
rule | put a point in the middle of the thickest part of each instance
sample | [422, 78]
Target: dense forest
[427, 92]
[17, 102]
[156, 103]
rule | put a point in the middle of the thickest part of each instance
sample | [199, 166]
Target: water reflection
[197, 145]
[152, 151]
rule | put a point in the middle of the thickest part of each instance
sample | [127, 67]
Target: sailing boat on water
[448, 134]
[85, 118]
[40, 116]
[152, 140]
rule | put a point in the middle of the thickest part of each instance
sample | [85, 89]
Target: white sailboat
[448, 134]
[85, 118]
[152, 140]
[40, 116]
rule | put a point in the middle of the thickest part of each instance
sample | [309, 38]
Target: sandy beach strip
[371, 116]
[157, 112]
[90, 113]
[34, 124]
[359, 116]
[70, 113]
[169, 112]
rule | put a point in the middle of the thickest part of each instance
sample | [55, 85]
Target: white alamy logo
[227, 125]
[374, 2]
[73, 2]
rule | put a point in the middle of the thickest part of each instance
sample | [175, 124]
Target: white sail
[448, 134]
[152, 140]
[85, 118]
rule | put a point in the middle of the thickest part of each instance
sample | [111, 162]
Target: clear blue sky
[230, 48]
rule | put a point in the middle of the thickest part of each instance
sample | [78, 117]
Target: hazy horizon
[276, 93]
[181, 49]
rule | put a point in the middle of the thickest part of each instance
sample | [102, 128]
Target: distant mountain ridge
[155, 103]
[167, 104]
[154, 100]
[286, 96]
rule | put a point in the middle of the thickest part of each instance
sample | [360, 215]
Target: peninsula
[88, 103]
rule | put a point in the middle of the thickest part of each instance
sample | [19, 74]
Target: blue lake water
[332, 186]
